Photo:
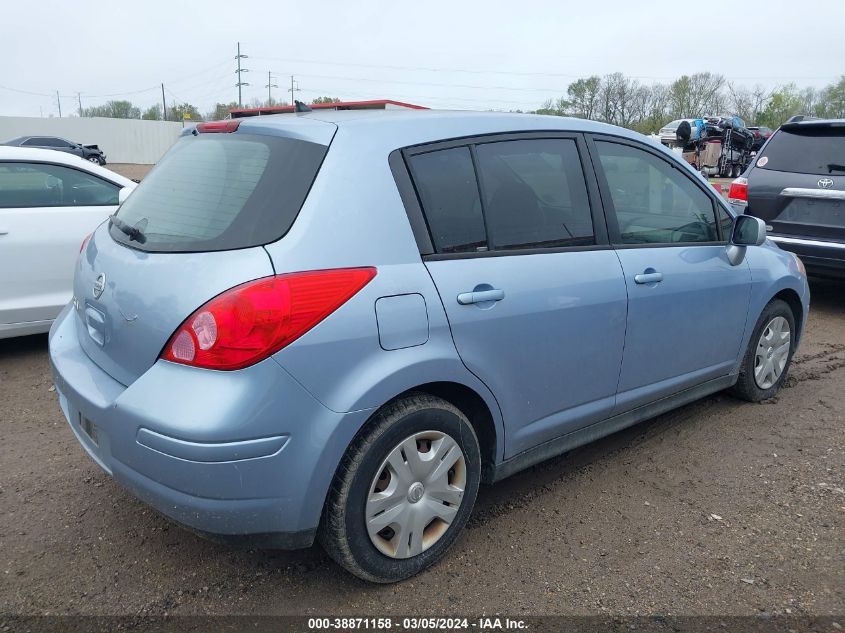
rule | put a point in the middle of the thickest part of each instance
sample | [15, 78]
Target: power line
[437, 84]
[513, 72]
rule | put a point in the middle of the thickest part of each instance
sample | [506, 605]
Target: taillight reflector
[250, 322]
[218, 127]
[738, 193]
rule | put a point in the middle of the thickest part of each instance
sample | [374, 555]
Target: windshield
[814, 150]
[219, 192]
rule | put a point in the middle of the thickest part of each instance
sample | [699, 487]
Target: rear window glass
[819, 150]
[220, 192]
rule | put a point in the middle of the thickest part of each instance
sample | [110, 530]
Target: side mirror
[748, 231]
[123, 194]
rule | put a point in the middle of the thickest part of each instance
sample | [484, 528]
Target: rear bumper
[821, 257]
[245, 455]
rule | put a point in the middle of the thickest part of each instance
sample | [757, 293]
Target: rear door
[46, 211]
[798, 183]
[534, 295]
[687, 305]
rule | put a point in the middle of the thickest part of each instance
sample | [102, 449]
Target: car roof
[812, 123]
[35, 155]
[402, 128]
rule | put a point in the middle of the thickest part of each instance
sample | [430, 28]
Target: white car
[49, 203]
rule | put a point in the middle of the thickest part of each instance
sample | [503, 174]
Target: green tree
[113, 110]
[832, 100]
[183, 112]
[554, 107]
[153, 113]
[221, 111]
[326, 100]
[784, 103]
[583, 97]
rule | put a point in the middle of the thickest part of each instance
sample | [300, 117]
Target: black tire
[93, 159]
[343, 532]
[684, 132]
[746, 386]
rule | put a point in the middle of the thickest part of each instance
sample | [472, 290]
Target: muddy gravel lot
[721, 507]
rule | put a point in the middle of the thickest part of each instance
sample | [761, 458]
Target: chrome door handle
[466, 298]
[648, 278]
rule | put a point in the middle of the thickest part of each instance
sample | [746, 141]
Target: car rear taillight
[738, 193]
[218, 127]
[248, 323]
[85, 242]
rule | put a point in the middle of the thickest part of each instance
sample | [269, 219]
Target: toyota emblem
[825, 183]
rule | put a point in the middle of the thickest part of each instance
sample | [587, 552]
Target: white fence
[123, 140]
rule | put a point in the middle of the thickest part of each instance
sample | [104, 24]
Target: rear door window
[220, 192]
[448, 191]
[535, 195]
[812, 150]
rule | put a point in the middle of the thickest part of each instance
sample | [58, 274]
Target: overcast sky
[501, 54]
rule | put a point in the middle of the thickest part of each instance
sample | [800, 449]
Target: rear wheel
[769, 353]
[403, 491]
[94, 159]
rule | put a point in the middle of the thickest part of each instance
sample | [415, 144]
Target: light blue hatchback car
[336, 325]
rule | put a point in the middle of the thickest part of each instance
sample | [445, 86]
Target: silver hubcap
[772, 352]
[416, 494]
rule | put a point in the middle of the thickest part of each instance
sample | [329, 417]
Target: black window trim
[58, 164]
[399, 165]
[607, 201]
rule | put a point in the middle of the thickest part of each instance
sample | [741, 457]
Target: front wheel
[404, 490]
[94, 159]
[766, 361]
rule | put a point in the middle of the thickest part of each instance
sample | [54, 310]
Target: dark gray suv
[797, 186]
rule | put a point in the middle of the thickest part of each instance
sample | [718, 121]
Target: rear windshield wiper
[133, 232]
[833, 168]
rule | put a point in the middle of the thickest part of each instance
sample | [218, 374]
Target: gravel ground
[129, 170]
[721, 507]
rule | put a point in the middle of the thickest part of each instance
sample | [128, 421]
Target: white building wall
[123, 140]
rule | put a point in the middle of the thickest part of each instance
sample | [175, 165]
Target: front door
[534, 296]
[687, 305]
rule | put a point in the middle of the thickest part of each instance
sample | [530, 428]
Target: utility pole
[291, 90]
[269, 86]
[240, 70]
[59, 103]
[163, 105]
[79, 99]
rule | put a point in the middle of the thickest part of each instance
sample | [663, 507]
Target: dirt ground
[132, 171]
[721, 507]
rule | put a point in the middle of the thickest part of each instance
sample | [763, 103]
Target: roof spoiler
[801, 122]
